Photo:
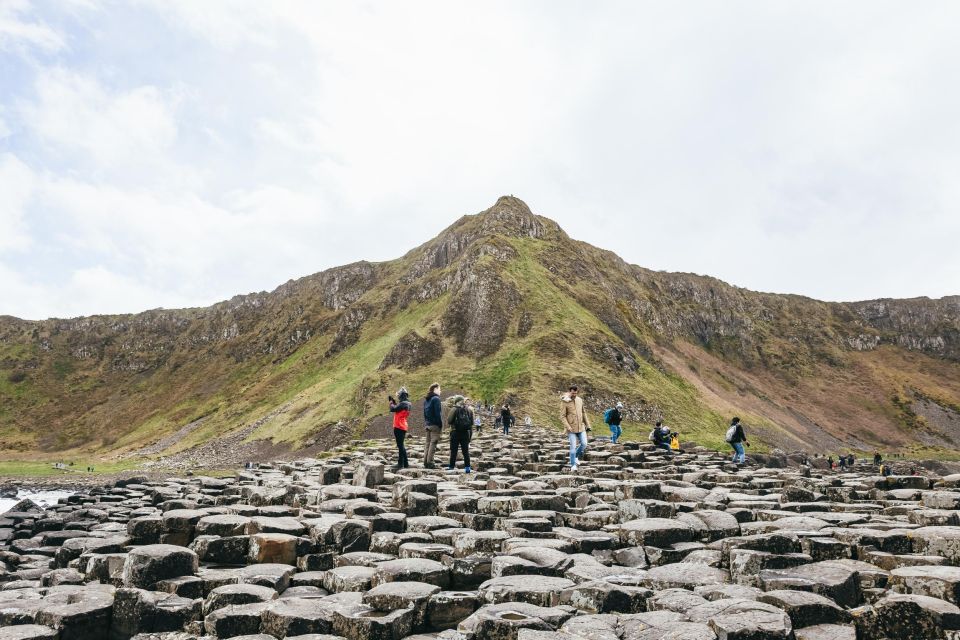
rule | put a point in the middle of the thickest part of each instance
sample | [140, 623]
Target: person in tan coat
[575, 421]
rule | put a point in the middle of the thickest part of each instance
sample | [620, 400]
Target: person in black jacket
[460, 419]
[433, 424]
[737, 441]
[506, 419]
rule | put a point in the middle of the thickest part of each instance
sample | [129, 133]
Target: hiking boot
[466, 469]
[430, 466]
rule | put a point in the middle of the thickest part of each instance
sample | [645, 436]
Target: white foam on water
[42, 498]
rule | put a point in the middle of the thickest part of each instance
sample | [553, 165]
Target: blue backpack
[606, 415]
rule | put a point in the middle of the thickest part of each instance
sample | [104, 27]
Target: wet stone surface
[636, 545]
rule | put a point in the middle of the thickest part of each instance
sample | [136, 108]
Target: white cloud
[198, 150]
[74, 113]
[21, 34]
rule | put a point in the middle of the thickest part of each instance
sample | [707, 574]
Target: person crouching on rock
[460, 418]
[575, 421]
[400, 408]
[433, 424]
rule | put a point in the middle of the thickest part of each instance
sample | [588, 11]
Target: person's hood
[403, 396]
[456, 401]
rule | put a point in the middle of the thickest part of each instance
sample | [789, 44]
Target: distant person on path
[737, 439]
[528, 422]
[675, 441]
[460, 418]
[877, 459]
[433, 424]
[400, 408]
[842, 462]
[506, 419]
[851, 460]
[660, 437]
[830, 462]
[613, 417]
[478, 422]
[575, 421]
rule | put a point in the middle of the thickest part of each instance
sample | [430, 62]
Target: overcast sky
[175, 153]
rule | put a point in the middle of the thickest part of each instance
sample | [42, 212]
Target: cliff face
[501, 304]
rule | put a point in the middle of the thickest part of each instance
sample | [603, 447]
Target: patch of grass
[37, 468]
[491, 379]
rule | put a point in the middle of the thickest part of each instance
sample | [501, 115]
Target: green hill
[502, 305]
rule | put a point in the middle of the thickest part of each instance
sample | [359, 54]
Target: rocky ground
[637, 545]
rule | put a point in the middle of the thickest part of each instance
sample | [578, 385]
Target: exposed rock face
[480, 314]
[637, 544]
[413, 351]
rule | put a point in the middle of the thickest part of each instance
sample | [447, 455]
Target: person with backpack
[460, 418]
[400, 408]
[737, 439]
[478, 421]
[660, 437]
[613, 417]
[433, 424]
[506, 419]
[575, 421]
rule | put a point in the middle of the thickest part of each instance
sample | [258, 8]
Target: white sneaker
[573, 469]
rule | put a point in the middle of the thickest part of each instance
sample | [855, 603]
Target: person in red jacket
[400, 408]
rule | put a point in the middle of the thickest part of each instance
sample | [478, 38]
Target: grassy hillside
[503, 306]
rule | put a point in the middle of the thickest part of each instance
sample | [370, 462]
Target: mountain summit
[502, 305]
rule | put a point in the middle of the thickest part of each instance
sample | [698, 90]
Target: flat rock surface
[635, 545]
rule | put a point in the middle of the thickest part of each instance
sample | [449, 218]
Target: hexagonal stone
[655, 532]
[412, 570]
[683, 575]
[235, 620]
[221, 525]
[277, 548]
[826, 632]
[291, 617]
[235, 594]
[936, 581]
[840, 584]
[446, 609]
[391, 596]
[479, 542]
[28, 632]
[508, 619]
[349, 578]
[542, 591]
[806, 609]
[146, 565]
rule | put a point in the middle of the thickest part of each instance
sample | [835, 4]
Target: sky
[173, 153]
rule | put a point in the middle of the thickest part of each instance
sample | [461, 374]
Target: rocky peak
[512, 217]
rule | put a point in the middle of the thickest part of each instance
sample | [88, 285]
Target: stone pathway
[637, 545]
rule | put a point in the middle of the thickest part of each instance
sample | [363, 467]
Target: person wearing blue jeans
[737, 440]
[578, 446]
[575, 421]
[614, 417]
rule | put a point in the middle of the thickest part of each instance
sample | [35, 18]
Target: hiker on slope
[737, 439]
[574, 419]
[613, 417]
[433, 424]
[400, 408]
[460, 419]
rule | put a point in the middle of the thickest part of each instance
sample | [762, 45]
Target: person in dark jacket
[400, 408]
[613, 419]
[661, 437]
[460, 419]
[506, 419]
[433, 424]
[738, 440]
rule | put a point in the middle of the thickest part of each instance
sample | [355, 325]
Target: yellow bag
[675, 443]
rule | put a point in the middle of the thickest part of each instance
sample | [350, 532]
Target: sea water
[42, 498]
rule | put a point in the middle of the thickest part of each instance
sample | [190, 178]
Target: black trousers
[460, 438]
[400, 434]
